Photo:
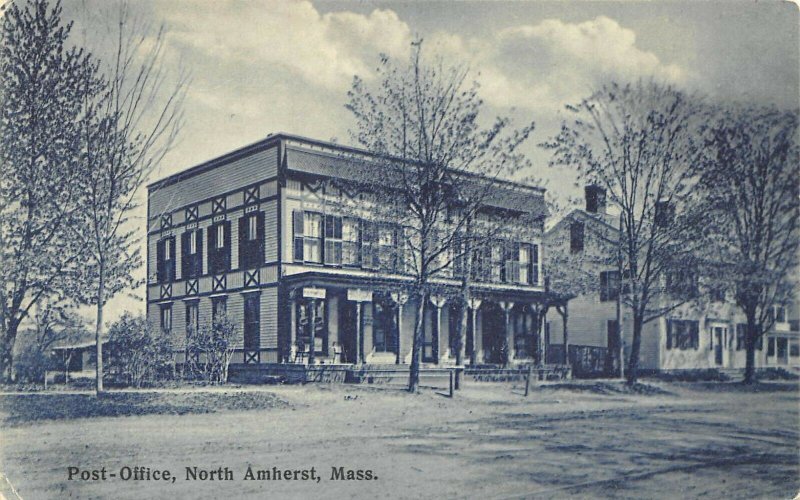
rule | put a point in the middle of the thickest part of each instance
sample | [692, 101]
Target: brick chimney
[595, 199]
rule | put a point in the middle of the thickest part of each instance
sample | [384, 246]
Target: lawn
[668, 440]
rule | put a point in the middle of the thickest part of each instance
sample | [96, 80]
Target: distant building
[252, 234]
[706, 332]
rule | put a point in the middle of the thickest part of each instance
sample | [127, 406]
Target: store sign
[313, 293]
[359, 295]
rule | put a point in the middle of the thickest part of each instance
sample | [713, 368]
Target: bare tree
[439, 166]
[42, 87]
[642, 143]
[130, 128]
[751, 190]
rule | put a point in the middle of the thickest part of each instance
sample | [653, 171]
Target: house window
[771, 347]
[333, 240]
[682, 284]
[717, 293]
[387, 247]
[384, 327]
[219, 308]
[496, 255]
[779, 314]
[251, 240]
[524, 263]
[192, 262]
[165, 259]
[220, 243]
[192, 315]
[609, 286]
[370, 258]
[252, 305]
[351, 256]
[683, 334]
[166, 318]
[219, 251]
[534, 272]
[576, 237]
[741, 333]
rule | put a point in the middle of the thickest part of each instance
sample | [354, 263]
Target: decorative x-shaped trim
[251, 357]
[218, 283]
[166, 221]
[218, 205]
[251, 278]
[192, 287]
[251, 195]
[191, 214]
[166, 291]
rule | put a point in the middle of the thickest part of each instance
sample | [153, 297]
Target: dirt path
[486, 443]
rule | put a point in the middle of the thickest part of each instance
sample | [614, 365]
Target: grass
[27, 408]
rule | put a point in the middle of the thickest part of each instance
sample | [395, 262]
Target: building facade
[255, 235]
[705, 332]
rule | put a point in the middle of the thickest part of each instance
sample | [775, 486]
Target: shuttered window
[252, 323]
[683, 334]
[251, 240]
[192, 254]
[219, 249]
[166, 318]
[165, 259]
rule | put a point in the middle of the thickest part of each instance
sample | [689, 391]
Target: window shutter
[244, 247]
[160, 260]
[199, 255]
[227, 248]
[670, 326]
[603, 286]
[185, 264]
[260, 236]
[297, 231]
[172, 258]
[696, 334]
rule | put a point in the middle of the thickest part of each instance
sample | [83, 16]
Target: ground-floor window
[192, 315]
[384, 326]
[683, 334]
[303, 332]
[219, 308]
[252, 322]
[166, 318]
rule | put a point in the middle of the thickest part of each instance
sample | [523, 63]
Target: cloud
[288, 37]
[553, 62]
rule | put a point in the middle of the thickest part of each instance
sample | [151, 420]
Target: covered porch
[354, 321]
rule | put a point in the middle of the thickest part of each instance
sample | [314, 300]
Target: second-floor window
[351, 254]
[609, 285]
[333, 240]
[251, 240]
[165, 259]
[219, 249]
[192, 254]
[307, 236]
[779, 314]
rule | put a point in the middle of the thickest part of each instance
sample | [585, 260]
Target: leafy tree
[751, 194]
[44, 83]
[642, 143]
[422, 122]
[136, 352]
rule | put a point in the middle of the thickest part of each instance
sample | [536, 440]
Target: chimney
[595, 199]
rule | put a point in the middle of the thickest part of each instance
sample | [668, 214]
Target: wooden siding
[222, 179]
[269, 318]
[270, 209]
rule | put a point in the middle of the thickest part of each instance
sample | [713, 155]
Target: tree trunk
[564, 312]
[636, 343]
[461, 328]
[99, 331]
[750, 348]
[416, 344]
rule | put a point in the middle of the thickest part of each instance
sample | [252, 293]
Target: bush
[209, 350]
[31, 363]
[136, 353]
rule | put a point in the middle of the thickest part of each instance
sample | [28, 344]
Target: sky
[259, 67]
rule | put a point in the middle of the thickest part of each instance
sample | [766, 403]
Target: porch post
[477, 341]
[359, 335]
[312, 327]
[438, 302]
[506, 306]
[292, 351]
[400, 299]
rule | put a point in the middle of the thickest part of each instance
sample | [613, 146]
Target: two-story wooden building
[253, 234]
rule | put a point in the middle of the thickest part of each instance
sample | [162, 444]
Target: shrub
[31, 363]
[137, 353]
[209, 350]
